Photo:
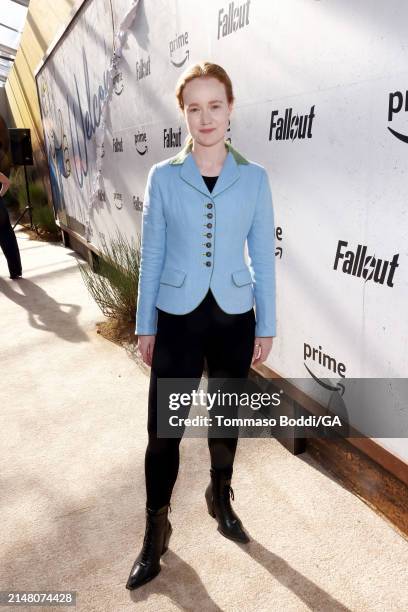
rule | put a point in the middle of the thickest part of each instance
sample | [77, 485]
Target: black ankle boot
[217, 496]
[155, 543]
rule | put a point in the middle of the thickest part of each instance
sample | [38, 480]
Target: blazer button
[209, 235]
[208, 244]
[208, 253]
[208, 263]
[209, 205]
[210, 215]
[209, 225]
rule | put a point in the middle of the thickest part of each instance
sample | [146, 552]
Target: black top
[210, 181]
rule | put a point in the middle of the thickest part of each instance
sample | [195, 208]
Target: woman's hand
[262, 348]
[5, 184]
[145, 345]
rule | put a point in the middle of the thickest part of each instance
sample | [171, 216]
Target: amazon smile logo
[141, 143]
[180, 41]
[317, 355]
[395, 106]
[118, 199]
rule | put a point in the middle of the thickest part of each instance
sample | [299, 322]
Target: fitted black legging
[8, 241]
[182, 342]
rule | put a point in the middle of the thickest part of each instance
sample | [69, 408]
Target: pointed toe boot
[217, 496]
[155, 543]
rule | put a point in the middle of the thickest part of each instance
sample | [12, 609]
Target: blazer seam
[157, 190]
[257, 198]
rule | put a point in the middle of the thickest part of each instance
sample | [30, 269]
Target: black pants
[182, 342]
[8, 241]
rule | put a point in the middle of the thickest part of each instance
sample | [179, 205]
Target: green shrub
[43, 218]
[17, 191]
[38, 195]
[43, 215]
[114, 282]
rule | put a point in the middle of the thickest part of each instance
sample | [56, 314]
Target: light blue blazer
[193, 239]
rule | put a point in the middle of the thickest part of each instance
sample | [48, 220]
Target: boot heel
[210, 508]
[167, 539]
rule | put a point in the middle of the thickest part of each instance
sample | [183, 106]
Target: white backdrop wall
[337, 68]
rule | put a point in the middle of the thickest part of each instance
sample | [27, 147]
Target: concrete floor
[73, 437]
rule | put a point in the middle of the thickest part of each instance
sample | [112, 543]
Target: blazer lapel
[190, 173]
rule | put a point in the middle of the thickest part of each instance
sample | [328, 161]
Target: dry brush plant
[113, 283]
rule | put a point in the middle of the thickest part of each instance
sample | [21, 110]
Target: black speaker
[20, 146]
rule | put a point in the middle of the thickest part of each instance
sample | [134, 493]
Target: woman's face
[206, 110]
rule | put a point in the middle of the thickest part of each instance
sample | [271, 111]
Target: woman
[8, 240]
[195, 296]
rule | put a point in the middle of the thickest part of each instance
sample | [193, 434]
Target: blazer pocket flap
[172, 276]
[242, 277]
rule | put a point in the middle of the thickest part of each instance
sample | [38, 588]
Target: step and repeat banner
[321, 101]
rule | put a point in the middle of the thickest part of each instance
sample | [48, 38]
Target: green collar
[181, 155]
